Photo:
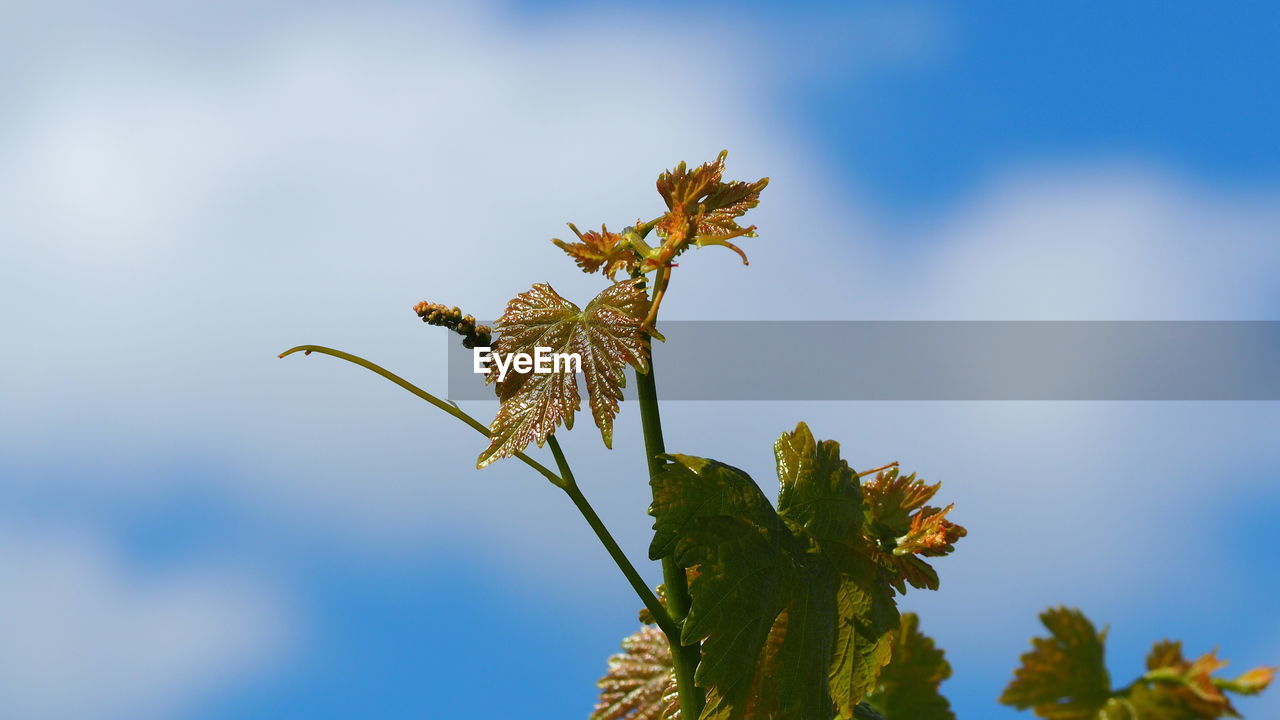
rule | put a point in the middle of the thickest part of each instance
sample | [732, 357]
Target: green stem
[684, 657]
[660, 616]
[564, 480]
[448, 407]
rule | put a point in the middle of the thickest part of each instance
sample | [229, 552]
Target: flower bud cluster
[451, 317]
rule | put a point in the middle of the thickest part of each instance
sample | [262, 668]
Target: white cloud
[182, 212]
[88, 636]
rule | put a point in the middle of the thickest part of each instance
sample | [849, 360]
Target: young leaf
[709, 206]
[891, 498]
[895, 515]
[908, 687]
[930, 533]
[639, 684]
[794, 616]
[606, 335]
[604, 251]
[1177, 687]
[1063, 677]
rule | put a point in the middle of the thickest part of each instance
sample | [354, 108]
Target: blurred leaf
[606, 335]
[1251, 682]
[908, 685]
[865, 711]
[1180, 688]
[639, 684]
[1064, 677]
[604, 251]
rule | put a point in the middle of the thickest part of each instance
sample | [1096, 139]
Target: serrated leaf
[895, 516]
[818, 490]
[866, 622]
[606, 335]
[1064, 676]
[639, 683]
[700, 194]
[605, 251]
[908, 685]
[694, 489]
[820, 496]
[930, 533]
[891, 498]
[702, 209]
[794, 617]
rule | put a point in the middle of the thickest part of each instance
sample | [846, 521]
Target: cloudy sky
[191, 528]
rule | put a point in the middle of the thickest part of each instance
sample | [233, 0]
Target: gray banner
[950, 360]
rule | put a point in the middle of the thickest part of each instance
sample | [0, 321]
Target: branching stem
[651, 603]
[442, 404]
[565, 480]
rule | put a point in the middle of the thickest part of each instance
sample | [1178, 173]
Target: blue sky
[194, 529]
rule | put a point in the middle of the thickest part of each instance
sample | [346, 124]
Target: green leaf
[867, 618]
[1064, 676]
[639, 684]
[794, 616]
[695, 489]
[865, 711]
[606, 335]
[819, 492]
[908, 686]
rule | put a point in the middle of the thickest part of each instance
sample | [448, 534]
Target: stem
[684, 657]
[565, 480]
[873, 471]
[571, 488]
[443, 405]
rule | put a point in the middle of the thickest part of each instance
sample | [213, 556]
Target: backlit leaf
[605, 251]
[702, 209]
[794, 615]
[639, 684]
[1178, 687]
[891, 498]
[1064, 676]
[700, 195]
[908, 685]
[607, 337]
[930, 533]
[896, 516]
